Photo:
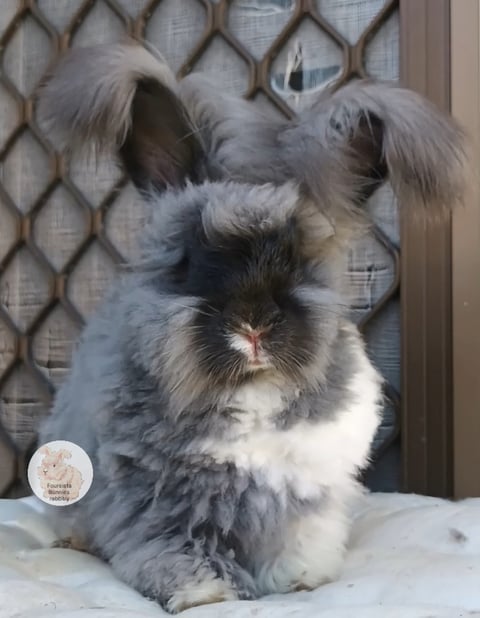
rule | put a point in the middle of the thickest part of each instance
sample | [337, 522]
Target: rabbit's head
[252, 216]
[53, 466]
[243, 292]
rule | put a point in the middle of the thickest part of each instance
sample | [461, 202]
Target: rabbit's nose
[254, 337]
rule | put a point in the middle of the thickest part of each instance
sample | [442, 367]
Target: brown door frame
[426, 290]
[465, 20]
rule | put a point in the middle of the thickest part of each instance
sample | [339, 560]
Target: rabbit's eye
[180, 271]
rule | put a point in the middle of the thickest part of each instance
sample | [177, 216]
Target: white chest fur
[257, 404]
[310, 455]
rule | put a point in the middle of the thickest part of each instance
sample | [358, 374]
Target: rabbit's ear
[64, 454]
[355, 138]
[121, 98]
[45, 450]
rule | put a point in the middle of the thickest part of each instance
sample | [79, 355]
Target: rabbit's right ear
[44, 450]
[121, 98]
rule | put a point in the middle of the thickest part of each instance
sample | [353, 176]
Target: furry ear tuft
[119, 98]
[353, 139]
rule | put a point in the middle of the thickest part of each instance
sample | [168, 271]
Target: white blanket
[409, 557]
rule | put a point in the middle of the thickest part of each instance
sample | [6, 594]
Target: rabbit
[57, 477]
[225, 399]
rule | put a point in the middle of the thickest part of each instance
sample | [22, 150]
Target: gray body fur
[172, 506]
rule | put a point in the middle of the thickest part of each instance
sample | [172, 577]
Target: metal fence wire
[65, 225]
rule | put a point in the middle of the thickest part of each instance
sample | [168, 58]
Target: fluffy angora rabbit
[224, 397]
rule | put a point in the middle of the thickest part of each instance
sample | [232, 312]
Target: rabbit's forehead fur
[222, 209]
[232, 208]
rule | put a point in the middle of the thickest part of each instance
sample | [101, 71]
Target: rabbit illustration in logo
[57, 478]
[225, 398]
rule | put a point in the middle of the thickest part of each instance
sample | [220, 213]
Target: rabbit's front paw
[288, 574]
[312, 556]
[214, 590]
[69, 542]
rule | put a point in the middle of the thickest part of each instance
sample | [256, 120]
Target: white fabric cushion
[409, 557]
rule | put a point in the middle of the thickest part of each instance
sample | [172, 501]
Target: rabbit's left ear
[122, 99]
[355, 138]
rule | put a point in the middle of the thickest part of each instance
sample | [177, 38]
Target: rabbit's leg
[70, 542]
[312, 554]
[180, 573]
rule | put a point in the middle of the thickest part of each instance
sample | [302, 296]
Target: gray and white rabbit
[224, 397]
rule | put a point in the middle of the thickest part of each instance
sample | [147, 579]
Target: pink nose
[254, 338]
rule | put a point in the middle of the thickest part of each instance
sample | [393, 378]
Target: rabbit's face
[251, 315]
[53, 466]
[258, 303]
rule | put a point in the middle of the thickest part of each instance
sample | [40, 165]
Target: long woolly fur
[424, 149]
[213, 483]
[88, 98]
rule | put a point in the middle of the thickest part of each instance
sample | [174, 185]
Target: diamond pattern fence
[66, 225]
